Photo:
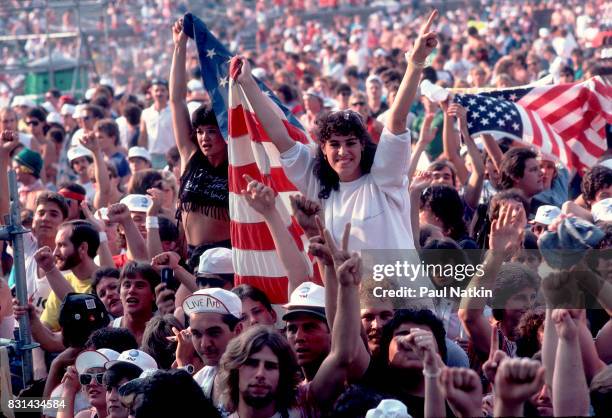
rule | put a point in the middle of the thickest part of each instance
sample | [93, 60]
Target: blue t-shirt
[121, 164]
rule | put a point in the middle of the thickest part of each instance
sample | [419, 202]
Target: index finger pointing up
[425, 29]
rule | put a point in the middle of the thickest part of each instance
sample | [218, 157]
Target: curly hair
[597, 178]
[445, 203]
[344, 123]
[251, 342]
[527, 342]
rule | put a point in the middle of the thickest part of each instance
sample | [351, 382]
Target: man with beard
[69, 267]
[259, 375]
[214, 318]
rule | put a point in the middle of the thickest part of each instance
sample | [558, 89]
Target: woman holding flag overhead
[204, 196]
[355, 180]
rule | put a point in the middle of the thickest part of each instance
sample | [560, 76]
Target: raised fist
[45, 259]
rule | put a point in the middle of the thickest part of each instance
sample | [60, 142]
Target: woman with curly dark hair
[441, 206]
[354, 180]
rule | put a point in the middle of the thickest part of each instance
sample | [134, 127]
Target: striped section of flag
[251, 152]
[567, 121]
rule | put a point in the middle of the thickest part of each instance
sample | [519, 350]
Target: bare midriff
[201, 229]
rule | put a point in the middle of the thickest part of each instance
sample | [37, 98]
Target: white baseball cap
[374, 79]
[79, 111]
[546, 214]
[137, 202]
[92, 359]
[23, 101]
[195, 85]
[602, 210]
[307, 298]
[136, 357]
[55, 117]
[213, 300]
[216, 261]
[78, 152]
[67, 109]
[389, 408]
[139, 152]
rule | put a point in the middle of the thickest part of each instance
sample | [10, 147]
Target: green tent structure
[64, 73]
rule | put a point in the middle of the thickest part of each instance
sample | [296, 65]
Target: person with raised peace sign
[355, 180]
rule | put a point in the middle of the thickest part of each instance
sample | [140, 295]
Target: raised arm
[505, 234]
[178, 89]
[423, 46]
[154, 244]
[101, 175]
[420, 182]
[493, 149]
[262, 199]
[475, 180]
[136, 245]
[171, 260]
[451, 141]
[104, 252]
[570, 393]
[422, 342]
[262, 105]
[58, 283]
[348, 351]
[426, 135]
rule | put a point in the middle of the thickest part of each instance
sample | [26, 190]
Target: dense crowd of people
[132, 290]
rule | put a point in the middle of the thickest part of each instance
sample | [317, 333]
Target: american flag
[567, 121]
[251, 152]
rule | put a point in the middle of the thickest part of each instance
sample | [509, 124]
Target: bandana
[68, 194]
[204, 188]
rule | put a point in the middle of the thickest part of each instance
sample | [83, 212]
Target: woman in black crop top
[203, 195]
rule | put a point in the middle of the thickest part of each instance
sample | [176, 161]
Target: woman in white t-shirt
[355, 180]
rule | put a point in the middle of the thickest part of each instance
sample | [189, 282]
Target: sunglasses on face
[32, 123]
[204, 282]
[358, 104]
[87, 378]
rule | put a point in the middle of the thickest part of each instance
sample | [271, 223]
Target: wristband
[103, 237]
[432, 375]
[152, 222]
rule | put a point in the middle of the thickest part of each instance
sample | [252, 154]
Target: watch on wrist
[188, 368]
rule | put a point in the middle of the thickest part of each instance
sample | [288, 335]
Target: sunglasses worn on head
[87, 378]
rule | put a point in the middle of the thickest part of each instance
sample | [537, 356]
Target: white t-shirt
[377, 204]
[80, 401]
[123, 131]
[159, 129]
[25, 139]
[205, 378]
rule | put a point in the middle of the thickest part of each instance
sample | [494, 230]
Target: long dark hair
[445, 202]
[345, 122]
